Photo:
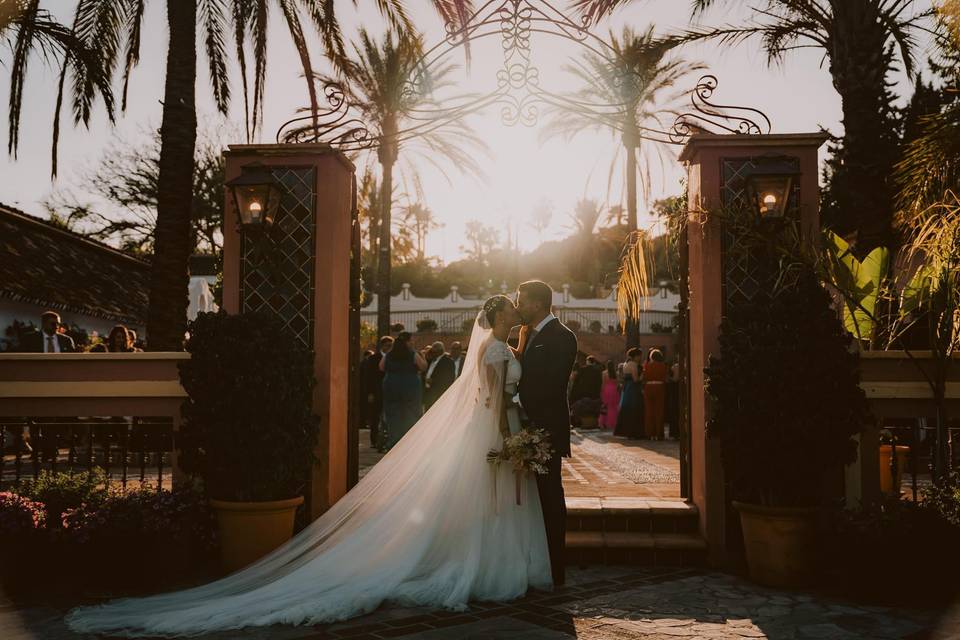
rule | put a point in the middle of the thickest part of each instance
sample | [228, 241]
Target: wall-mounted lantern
[256, 194]
[769, 185]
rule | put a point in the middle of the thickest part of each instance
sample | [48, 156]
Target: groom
[547, 351]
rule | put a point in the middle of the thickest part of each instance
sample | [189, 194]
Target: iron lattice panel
[277, 275]
[745, 281]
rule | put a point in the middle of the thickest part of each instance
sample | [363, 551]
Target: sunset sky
[521, 171]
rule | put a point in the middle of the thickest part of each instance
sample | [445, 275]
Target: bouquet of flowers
[528, 450]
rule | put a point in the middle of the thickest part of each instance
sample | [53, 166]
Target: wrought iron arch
[518, 91]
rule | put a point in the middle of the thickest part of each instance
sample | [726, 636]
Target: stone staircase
[625, 530]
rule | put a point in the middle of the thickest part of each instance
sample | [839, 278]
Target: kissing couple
[427, 526]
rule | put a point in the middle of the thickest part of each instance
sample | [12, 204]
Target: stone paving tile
[598, 603]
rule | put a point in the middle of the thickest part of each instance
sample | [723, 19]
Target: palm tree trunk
[383, 268]
[632, 222]
[170, 271]
[859, 63]
[633, 326]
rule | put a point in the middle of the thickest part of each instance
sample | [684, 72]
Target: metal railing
[78, 411]
[127, 449]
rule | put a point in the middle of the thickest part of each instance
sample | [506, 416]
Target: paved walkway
[604, 603]
[602, 466]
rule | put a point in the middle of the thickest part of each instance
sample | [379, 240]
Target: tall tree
[585, 216]
[28, 28]
[482, 239]
[112, 29]
[378, 81]
[862, 41]
[421, 221]
[637, 79]
[126, 185]
[540, 217]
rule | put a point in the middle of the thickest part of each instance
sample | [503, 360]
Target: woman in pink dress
[610, 395]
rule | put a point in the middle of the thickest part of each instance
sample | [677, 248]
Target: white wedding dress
[432, 524]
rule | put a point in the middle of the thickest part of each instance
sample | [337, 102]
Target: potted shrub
[248, 431]
[586, 412]
[786, 404]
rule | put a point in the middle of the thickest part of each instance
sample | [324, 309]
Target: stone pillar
[717, 166]
[309, 286]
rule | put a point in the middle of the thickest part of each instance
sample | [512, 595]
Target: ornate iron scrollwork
[708, 117]
[518, 92]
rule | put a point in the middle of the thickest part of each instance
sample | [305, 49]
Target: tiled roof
[43, 264]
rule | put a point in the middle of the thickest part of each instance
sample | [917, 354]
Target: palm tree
[634, 82]
[113, 28]
[377, 82]
[421, 220]
[862, 40]
[585, 216]
[28, 28]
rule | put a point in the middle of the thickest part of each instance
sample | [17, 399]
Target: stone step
[625, 514]
[626, 547]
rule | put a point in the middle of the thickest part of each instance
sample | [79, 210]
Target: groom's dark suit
[547, 361]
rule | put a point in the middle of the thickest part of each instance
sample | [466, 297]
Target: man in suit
[439, 375]
[48, 339]
[371, 384]
[456, 355]
[547, 351]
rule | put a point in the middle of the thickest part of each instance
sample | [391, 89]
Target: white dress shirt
[51, 344]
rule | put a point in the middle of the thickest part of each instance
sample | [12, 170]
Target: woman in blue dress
[630, 420]
[402, 390]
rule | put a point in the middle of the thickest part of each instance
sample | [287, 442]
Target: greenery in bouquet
[63, 491]
[528, 450]
[19, 515]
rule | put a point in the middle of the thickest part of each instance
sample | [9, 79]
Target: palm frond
[212, 15]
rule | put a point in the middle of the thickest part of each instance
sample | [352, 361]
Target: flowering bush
[19, 515]
[62, 491]
[181, 517]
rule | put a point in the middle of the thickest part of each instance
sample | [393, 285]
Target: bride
[432, 524]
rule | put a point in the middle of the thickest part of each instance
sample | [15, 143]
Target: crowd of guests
[52, 338]
[637, 397]
[634, 399]
[399, 384]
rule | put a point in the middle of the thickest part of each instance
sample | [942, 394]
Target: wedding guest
[588, 380]
[610, 395]
[402, 391]
[120, 340]
[371, 385]
[631, 414]
[49, 339]
[457, 356]
[654, 394]
[439, 376]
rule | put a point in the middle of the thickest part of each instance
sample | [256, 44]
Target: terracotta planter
[251, 530]
[887, 482]
[589, 422]
[780, 544]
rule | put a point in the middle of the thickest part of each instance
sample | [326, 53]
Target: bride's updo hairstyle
[492, 307]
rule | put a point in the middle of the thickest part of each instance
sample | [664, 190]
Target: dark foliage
[249, 430]
[786, 395]
[426, 325]
[62, 491]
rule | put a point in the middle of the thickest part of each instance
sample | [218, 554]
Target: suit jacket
[371, 384]
[547, 362]
[33, 343]
[587, 383]
[443, 376]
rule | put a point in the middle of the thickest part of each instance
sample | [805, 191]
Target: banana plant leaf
[861, 281]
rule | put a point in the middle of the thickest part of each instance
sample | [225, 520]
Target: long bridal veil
[432, 524]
